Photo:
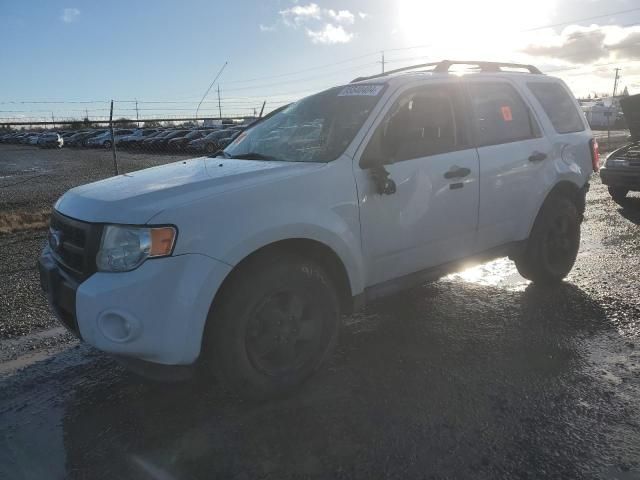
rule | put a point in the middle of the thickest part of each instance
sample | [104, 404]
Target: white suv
[244, 262]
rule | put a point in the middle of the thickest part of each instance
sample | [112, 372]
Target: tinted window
[499, 114]
[558, 106]
[421, 123]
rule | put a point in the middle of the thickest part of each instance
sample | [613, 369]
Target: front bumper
[60, 289]
[628, 178]
[156, 313]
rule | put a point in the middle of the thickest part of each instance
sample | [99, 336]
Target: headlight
[125, 248]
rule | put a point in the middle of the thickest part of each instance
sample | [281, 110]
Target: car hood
[134, 198]
[631, 108]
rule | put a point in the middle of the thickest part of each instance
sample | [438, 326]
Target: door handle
[537, 157]
[457, 172]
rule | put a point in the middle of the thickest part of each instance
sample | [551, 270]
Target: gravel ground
[478, 375]
[32, 179]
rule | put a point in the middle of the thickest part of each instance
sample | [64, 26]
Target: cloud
[330, 35]
[343, 16]
[628, 47]
[299, 14]
[581, 45]
[267, 28]
[322, 25]
[363, 15]
[70, 15]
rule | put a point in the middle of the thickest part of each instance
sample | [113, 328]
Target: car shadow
[630, 209]
[450, 379]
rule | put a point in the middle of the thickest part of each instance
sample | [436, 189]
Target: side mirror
[384, 184]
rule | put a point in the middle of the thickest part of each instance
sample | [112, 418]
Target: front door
[423, 143]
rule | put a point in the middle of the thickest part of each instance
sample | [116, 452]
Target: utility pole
[53, 120]
[615, 82]
[113, 143]
[219, 106]
[382, 61]
[137, 117]
[611, 107]
[209, 89]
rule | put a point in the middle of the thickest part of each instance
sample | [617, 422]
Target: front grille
[75, 245]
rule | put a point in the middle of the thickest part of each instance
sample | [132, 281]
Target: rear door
[424, 144]
[513, 155]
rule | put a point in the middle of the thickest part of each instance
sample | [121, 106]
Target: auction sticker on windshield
[361, 90]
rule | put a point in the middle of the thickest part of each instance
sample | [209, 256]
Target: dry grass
[11, 222]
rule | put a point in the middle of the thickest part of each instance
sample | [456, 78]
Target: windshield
[315, 129]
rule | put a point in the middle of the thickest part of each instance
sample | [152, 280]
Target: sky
[69, 58]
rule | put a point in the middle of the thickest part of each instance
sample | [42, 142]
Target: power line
[290, 95]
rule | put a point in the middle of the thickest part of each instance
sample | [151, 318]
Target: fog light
[118, 326]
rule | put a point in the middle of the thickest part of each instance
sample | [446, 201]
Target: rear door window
[500, 115]
[558, 106]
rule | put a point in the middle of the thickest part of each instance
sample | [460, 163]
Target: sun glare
[467, 28]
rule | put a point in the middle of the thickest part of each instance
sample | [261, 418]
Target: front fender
[318, 204]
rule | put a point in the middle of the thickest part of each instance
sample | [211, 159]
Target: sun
[469, 28]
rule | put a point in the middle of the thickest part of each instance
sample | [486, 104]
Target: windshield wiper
[253, 156]
[218, 153]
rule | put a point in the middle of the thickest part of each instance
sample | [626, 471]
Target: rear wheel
[210, 148]
[553, 245]
[275, 322]
[107, 144]
[618, 194]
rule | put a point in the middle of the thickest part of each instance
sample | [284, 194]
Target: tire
[107, 144]
[618, 194]
[553, 245]
[275, 322]
[209, 148]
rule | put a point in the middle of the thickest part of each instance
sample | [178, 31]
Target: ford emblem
[55, 240]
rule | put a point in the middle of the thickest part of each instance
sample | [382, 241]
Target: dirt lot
[478, 375]
[31, 180]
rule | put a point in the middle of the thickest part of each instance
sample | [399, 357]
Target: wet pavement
[478, 375]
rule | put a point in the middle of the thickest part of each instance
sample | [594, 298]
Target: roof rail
[397, 70]
[444, 66]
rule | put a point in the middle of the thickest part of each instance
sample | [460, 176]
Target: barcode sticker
[361, 90]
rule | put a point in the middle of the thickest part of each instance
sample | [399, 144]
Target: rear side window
[558, 106]
[500, 115]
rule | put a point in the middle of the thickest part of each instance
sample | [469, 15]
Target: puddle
[497, 273]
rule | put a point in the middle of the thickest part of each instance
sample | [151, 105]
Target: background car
[104, 140]
[50, 140]
[180, 143]
[33, 139]
[147, 143]
[76, 139]
[159, 144]
[211, 142]
[141, 133]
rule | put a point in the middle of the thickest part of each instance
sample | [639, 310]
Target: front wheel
[107, 144]
[210, 148]
[553, 245]
[274, 324]
[618, 194]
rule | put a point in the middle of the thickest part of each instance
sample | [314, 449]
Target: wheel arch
[307, 248]
[565, 188]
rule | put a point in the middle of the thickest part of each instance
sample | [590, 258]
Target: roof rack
[444, 66]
